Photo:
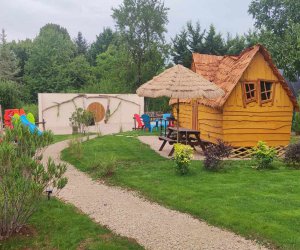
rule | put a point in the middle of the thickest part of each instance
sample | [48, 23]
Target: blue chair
[165, 122]
[148, 124]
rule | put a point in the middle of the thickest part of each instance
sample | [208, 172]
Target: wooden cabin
[258, 104]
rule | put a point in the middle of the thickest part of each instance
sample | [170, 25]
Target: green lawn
[263, 205]
[58, 138]
[60, 226]
[57, 225]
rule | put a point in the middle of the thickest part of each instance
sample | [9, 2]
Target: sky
[23, 18]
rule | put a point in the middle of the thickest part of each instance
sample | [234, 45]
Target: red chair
[138, 121]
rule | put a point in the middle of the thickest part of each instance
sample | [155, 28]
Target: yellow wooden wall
[245, 126]
[209, 120]
[185, 115]
[271, 122]
[210, 123]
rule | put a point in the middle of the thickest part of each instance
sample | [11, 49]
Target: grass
[57, 225]
[60, 226]
[295, 139]
[261, 205]
[58, 138]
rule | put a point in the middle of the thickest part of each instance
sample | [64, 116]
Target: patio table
[185, 136]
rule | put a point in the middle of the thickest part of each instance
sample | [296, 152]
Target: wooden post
[44, 125]
[177, 120]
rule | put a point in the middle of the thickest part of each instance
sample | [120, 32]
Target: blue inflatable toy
[31, 126]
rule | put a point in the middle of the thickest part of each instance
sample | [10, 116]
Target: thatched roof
[180, 82]
[226, 71]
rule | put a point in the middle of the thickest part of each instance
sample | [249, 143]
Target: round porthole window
[98, 110]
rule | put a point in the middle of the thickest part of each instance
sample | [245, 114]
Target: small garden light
[49, 191]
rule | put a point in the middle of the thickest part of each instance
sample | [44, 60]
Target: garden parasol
[180, 83]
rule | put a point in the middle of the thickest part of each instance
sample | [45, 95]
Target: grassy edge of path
[256, 204]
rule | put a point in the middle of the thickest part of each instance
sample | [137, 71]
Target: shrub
[215, 153]
[23, 178]
[32, 108]
[81, 119]
[104, 169]
[292, 155]
[75, 148]
[182, 157]
[263, 155]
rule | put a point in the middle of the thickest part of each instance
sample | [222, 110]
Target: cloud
[23, 18]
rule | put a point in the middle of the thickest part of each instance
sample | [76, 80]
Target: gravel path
[155, 144]
[127, 214]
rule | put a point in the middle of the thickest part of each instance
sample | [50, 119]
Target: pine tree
[9, 69]
[214, 44]
[103, 41]
[81, 44]
[181, 53]
[196, 37]
[236, 45]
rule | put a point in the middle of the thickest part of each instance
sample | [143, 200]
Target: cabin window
[250, 91]
[266, 91]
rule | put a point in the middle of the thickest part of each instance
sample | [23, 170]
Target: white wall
[57, 108]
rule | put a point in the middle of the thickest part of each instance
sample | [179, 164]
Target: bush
[75, 148]
[10, 95]
[183, 156]
[23, 177]
[104, 169]
[263, 155]
[32, 108]
[81, 119]
[292, 155]
[215, 153]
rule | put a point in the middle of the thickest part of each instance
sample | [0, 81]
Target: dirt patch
[84, 244]
[25, 231]
[106, 237]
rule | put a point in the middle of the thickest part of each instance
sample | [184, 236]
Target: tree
[79, 73]
[10, 94]
[214, 44]
[47, 67]
[234, 46]
[103, 41]
[81, 44]
[278, 22]
[9, 69]
[192, 39]
[114, 71]
[142, 25]
[181, 53]
[189, 40]
[275, 15]
[22, 50]
[196, 37]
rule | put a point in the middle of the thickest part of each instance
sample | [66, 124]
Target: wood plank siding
[270, 122]
[240, 124]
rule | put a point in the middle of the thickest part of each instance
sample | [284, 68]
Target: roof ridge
[226, 70]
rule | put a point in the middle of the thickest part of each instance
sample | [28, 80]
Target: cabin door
[195, 114]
